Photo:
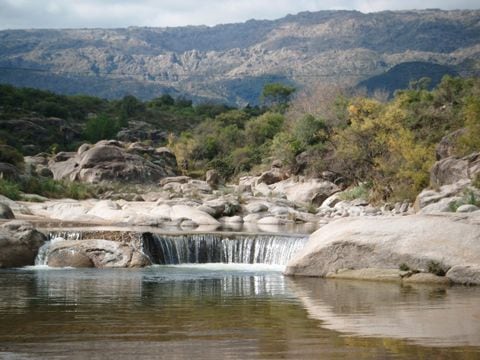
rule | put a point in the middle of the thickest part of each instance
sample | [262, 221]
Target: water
[228, 311]
[274, 249]
[224, 248]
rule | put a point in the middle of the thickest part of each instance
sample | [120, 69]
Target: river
[229, 311]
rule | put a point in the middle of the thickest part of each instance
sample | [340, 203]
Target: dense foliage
[385, 148]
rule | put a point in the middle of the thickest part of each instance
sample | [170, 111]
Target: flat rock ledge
[377, 248]
[389, 275]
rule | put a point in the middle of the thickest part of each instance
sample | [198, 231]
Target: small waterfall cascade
[221, 248]
[54, 237]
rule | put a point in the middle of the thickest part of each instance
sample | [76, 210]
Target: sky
[25, 14]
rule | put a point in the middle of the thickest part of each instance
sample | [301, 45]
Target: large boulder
[303, 190]
[447, 146]
[97, 253]
[451, 170]
[112, 160]
[19, 244]
[212, 177]
[419, 242]
[446, 198]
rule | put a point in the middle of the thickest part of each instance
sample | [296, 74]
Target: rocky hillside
[233, 62]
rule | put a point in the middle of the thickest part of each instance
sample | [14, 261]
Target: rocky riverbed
[438, 234]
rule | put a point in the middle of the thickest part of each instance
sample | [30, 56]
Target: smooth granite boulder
[419, 242]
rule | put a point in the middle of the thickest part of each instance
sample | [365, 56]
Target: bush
[57, 189]
[10, 155]
[9, 189]
[435, 268]
[101, 127]
[358, 192]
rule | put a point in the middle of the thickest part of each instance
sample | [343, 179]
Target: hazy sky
[16, 14]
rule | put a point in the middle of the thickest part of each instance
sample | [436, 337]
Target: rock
[38, 165]
[9, 172]
[271, 220]
[218, 206]
[16, 207]
[451, 170]
[97, 253]
[271, 177]
[388, 242]
[467, 208]
[179, 212]
[70, 257]
[464, 274]
[174, 179]
[426, 278]
[109, 160]
[82, 148]
[19, 244]
[253, 218]
[140, 131]
[452, 191]
[256, 207]
[305, 190]
[389, 275]
[165, 158]
[232, 219]
[332, 200]
[261, 189]
[63, 156]
[213, 179]
[276, 164]
[446, 147]
[6, 212]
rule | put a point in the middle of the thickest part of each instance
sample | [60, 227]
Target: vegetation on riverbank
[386, 147]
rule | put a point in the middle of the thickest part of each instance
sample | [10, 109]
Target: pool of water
[217, 311]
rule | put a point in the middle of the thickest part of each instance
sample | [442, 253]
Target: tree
[276, 95]
[101, 127]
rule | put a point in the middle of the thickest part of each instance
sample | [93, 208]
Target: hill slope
[213, 62]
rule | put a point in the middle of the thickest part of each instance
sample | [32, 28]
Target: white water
[220, 248]
[210, 248]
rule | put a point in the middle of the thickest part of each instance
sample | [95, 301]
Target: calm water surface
[216, 311]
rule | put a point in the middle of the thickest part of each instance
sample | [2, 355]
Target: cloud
[122, 13]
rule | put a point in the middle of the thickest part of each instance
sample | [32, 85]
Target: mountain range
[232, 62]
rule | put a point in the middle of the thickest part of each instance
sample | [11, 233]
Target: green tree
[101, 127]
[263, 128]
[276, 95]
[470, 140]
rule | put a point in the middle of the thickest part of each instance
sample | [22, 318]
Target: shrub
[10, 155]
[9, 189]
[358, 192]
[57, 189]
[435, 268]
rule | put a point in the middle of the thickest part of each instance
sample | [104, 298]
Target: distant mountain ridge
[232, 62]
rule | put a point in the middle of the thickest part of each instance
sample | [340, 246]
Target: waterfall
[222, 248]
[53, 237]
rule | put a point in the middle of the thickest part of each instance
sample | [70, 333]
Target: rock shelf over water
[397, 246]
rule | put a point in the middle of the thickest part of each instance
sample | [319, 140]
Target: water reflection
[227, 311]
[426, 315]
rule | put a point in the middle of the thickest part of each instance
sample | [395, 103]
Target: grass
[10, 189]
[46, 187]
[468, 198]
[358, 192]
